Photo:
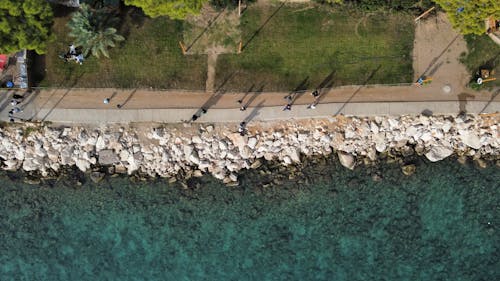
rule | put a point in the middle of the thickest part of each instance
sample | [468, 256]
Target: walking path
[436, 51]
[86, 105]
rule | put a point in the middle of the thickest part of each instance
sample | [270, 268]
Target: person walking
[241, 128]
[106, 101]
[287, 107]
[312, 105]
[243, 108]
[315, 94]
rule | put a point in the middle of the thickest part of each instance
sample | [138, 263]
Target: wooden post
[425, 13]
[182, 48]
[239, 8]
[239, 47]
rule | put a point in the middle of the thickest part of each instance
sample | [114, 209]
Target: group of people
[73, 55]
[289, 99]
[16, 108]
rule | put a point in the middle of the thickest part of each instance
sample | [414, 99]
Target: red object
[3, 61]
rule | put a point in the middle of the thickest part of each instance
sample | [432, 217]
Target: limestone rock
[82, 164]
[194, 158]
[287, 160]
[30, 165]
[237, 139]
[100, 144]
[256, 164]
[108, 157]
[346, 159]
[245, 152]
[471, 140]
[294, 154]
[196, 139]
[438, 153]
[252, 142]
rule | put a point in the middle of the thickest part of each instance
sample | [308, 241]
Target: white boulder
[438, 153]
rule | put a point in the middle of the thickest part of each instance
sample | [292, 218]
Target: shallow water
[440, 224]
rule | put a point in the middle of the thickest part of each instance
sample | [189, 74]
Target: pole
[425, 13]
[182, 48]
[239, 8]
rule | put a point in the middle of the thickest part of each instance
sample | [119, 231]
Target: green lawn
[483, 53]
[150, 57]
[313, 41]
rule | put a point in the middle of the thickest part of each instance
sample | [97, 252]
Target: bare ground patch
[212, 32]
[436, 53]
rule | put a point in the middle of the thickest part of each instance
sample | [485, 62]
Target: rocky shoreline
[181, 152]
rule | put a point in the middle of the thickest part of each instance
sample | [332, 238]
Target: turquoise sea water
[440, 224]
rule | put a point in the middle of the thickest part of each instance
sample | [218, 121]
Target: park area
[149, 57]
[285, 45]
[282, 46]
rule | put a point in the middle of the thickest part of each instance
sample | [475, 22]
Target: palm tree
[93, 31]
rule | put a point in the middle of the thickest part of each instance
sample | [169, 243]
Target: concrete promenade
[139, 105]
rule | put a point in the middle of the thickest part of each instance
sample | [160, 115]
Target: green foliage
[24, 24]
[482, 53]
[175, 9]
[93, 31]
[471, 19]
[377, 4]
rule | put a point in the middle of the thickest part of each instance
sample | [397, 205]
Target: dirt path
[211, 66]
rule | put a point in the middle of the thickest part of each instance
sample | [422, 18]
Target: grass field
[483, 52]
[150, 57]
[293, 43]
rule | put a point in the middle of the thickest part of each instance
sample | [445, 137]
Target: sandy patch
[436, 52]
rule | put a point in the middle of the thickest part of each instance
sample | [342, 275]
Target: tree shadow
[435, 59]
[58, 102]
[242, 99]
[4, 100]
[213, 99]
[326, 81]
[61, 11]
[36, 69]
[427, 112]
[255, 112]
[462, 102]
[493, 96]
[370, 77]
[254, 95]
[298, 91]
[323, 91]
[210, 23]
[127, 100]
[262, 26]
[435, 69]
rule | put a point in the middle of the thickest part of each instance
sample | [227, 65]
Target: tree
[24, 24]
[93, 31]
[469, 16]
[175, 9]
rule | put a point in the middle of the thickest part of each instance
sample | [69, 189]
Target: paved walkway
[86, 105]
[436, 52]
